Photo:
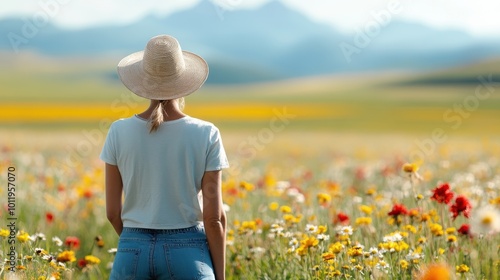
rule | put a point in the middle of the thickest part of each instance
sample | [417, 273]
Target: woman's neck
[171, 110]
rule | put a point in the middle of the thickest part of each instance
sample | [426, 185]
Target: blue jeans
[163, 254]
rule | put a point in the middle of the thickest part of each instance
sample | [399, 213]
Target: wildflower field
[370, 177]
[301, 209]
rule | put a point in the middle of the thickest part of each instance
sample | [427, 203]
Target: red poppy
[82, 263]
[342, 218]
[87, 193]
[398, 209]
[72, 242]
[232, 191]
[464, 229]
[49, 217]
[442, 194]
[462, 205]
[360, 173]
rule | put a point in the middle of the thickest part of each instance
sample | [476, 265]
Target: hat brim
[134, 77]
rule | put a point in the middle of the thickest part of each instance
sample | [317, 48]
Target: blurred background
[345, 72]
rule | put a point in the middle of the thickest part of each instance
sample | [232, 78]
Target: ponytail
[157, 116]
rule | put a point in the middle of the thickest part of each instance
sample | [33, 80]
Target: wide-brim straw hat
[163, 71]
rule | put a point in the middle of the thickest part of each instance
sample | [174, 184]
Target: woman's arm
[214, 219]
[114, 187]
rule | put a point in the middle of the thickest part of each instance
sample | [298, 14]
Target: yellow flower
[422, 240]
[404, 233]
[344, 239]
[291, 218]
[247, 227]
[323, 198]
[441, 251]
[394, 246]
[273, 206]
[309, 242]
[285, 209]
[23, 236]
[404, 264]
[246, 186]
[434, 214]
[366, 209]
[370, 191]
[302, 250]
[410, 228]
[355, 251]
[410, 167]
[436, 229]
[4, 232]
[425, 217]
[336, 247]
[420, 196]
[336, 273]
[92, 260]
[452, 238]
[66, 256]
[363, 221]
[321, 229]
[495, 201]
[328, 256]
[462, 268]
[451, 230]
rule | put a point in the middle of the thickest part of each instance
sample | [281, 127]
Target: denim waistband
[195, 228]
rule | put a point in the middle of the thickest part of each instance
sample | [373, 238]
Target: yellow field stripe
[90, 112]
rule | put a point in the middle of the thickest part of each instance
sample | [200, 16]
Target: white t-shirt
[162, 171]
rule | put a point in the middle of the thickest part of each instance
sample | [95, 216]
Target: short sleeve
[108, 153]
[216, 155]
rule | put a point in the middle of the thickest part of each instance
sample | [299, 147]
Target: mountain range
[268, 43]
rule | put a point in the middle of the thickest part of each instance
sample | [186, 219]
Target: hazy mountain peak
[269, 42]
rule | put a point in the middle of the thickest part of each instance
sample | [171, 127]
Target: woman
[167, 166]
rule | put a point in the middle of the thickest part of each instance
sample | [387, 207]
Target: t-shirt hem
[217, 167]
[107, 160]
[160, 226]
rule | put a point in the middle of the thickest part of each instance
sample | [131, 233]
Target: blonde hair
[157, 117]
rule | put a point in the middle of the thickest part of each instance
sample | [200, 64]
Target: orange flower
[435, 272]
[66, 256]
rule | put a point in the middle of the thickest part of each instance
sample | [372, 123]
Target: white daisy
[311, 228]
[344, 230]
[57, 240]
[485, 220]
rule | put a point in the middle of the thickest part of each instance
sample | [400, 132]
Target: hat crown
[163, 57]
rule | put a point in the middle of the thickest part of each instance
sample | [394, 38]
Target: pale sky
[478, 17]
